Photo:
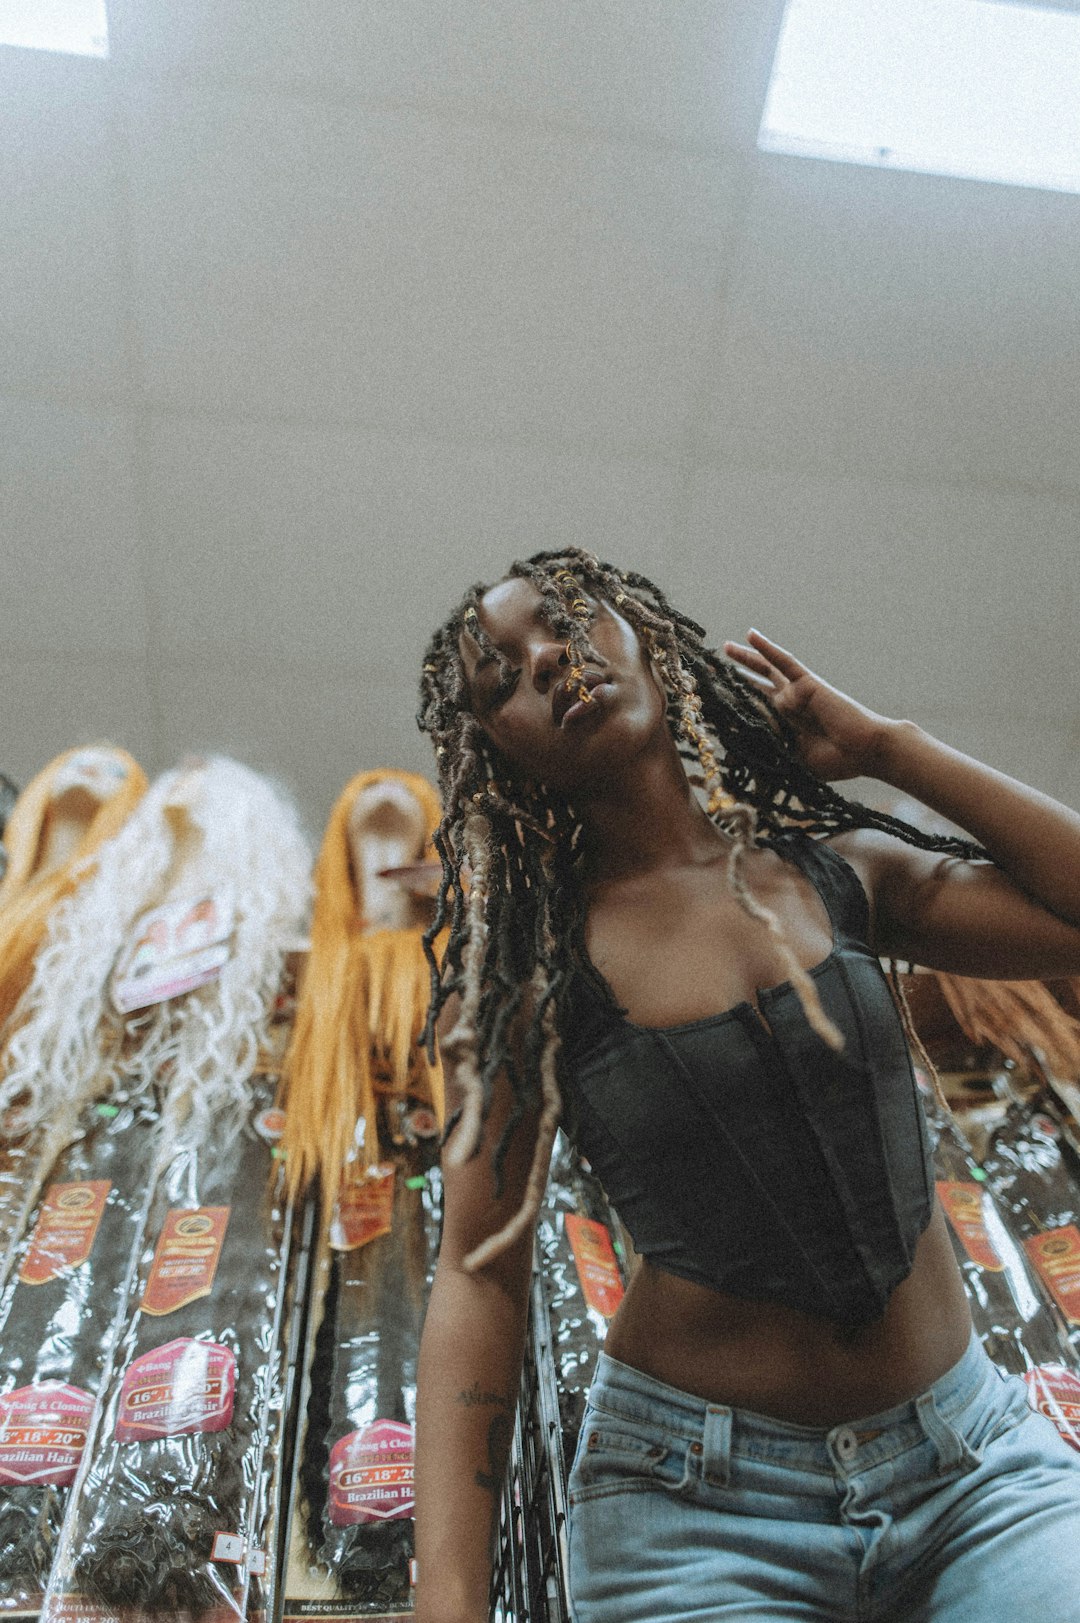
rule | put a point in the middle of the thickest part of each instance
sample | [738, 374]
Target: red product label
[963, 1203]
[43, 1433]
[186, 1258]
[270, 1124]
[371, 1474]
[184, 1386]
[365, 1209]
[1055, 1392]
[65, 1230]
[1056, 1258]
[596, 1265]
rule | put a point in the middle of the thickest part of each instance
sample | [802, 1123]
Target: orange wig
[361, 1007]
[1016, 1017]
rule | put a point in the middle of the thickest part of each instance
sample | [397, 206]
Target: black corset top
[740, 1150]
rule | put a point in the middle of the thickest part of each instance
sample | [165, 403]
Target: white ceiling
[312, 312]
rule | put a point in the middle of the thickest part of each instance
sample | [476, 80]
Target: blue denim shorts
[961, 1506]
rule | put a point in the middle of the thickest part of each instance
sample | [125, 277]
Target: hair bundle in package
[58, 1322]
[1013, 1317]
[583, 1276]
[172, 1484]
[351, 1540]
[1034, 1174]
[22, 1166]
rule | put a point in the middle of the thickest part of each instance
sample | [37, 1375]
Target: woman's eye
[505, 687]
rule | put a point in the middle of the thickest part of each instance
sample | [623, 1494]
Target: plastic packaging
[351, 1527]
[1017, 1326]
[1030, 1168]
[59, 1317]
[270, 1514]
[583, 1272]
[21, 1168]
[172, 1483]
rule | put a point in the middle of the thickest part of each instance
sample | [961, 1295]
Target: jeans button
[846, 1443]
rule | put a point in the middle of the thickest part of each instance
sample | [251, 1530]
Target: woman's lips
[598, 691]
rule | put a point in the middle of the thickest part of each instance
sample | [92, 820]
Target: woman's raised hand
[836, 737]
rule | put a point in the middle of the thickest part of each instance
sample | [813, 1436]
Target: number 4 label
[228, 1547]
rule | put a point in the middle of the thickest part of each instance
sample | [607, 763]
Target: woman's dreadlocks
[513, 888]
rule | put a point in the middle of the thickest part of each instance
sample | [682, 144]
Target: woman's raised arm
[1014, 918]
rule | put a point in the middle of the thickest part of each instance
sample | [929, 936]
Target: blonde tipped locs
[460, 1046]
[918, 1047]
[361, 1005]
[43, 870]
[512, 952]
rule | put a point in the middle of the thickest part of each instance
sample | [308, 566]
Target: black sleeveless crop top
[753, 1158]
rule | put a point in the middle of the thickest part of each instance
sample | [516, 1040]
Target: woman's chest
[688, 947]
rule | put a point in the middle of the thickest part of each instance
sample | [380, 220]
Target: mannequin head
[63, 816]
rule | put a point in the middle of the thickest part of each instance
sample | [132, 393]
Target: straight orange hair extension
[360, 1011]
[28, 896]
[1015, 1016]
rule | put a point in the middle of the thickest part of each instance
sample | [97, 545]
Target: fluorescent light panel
[79, 27]
[976, 88]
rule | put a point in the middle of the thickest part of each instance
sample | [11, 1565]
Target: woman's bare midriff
[778, 1361]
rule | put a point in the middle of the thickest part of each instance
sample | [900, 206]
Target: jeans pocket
[1005, 1407]
[613, 1457]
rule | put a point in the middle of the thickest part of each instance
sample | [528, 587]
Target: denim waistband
[937, 1414]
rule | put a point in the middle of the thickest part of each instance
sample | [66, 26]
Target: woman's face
[535, 717]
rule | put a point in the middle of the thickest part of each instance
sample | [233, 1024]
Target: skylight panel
[79, 27]
[982, 89]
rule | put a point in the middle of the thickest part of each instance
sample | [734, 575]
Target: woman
[791, 1418]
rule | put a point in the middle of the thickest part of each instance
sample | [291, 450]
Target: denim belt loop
[716, 1442]
[951, 1446]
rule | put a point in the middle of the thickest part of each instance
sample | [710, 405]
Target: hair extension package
[59, 1316]
[583, 1273]
[1033, 1171]
[1012, 1310]
[22, 1154]
[350, 1535]
[171, 1489]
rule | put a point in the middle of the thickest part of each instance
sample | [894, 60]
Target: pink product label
[43, 1433]
[371, 1474]
[182, 1387]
